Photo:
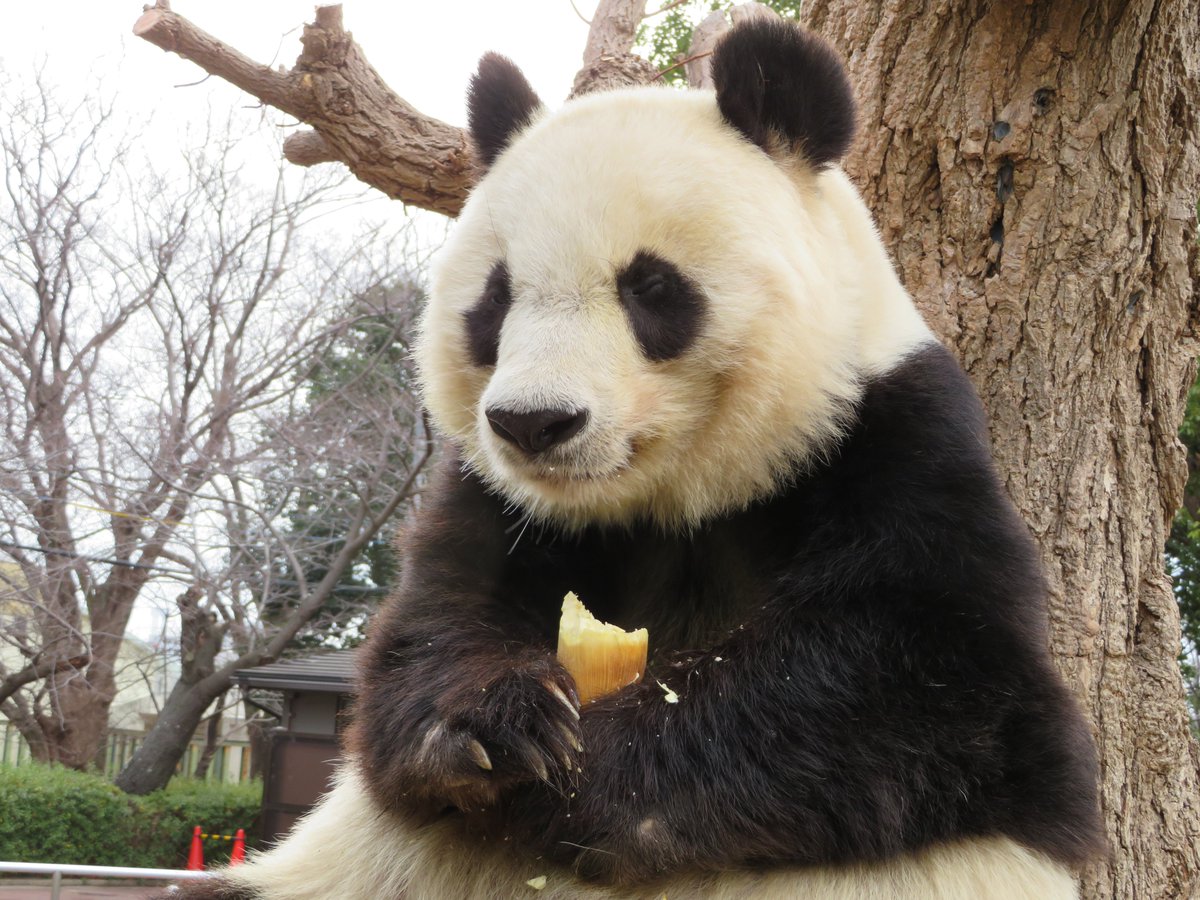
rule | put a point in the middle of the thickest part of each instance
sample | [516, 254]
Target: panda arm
[459, 694]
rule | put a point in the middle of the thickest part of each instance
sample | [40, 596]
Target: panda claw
[562, 698]
[571, 738]
[479, 756]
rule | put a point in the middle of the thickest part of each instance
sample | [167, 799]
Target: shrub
[52, 814]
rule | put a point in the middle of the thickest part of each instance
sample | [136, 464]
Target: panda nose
[538, 430]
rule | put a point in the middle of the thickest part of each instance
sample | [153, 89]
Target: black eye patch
[665, 308]
[484, 319]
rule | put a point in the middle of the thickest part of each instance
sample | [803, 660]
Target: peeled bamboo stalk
[601, 658]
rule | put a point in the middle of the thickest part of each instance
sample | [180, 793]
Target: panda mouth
[566, 472]
[581, 464]
[559, 474]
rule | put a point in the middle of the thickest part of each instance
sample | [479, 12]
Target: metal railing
[56, 873]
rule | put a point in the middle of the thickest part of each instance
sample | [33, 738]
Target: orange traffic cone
[238, 855]
[196, 852]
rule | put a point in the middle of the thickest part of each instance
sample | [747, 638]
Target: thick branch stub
[613, 30]
[307, 148]
[386, 142]
[608, 60]
[611, 72]
[330, 17]
[172, 32]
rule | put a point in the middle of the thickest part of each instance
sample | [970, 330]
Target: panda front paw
[518, 727]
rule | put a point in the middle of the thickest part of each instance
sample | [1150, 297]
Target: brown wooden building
[303, 752]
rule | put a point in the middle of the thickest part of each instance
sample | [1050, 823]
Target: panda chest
[688, 591]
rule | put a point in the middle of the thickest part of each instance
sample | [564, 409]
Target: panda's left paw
[518, 727]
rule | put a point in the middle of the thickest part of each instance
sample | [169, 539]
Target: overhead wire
[283, 582]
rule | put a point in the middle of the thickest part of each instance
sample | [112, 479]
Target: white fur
[802, 305]
[347, 849]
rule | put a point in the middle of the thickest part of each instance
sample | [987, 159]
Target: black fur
[485, 318]
[861, 663]
[664, 308]
[776, 81]
[500, 102]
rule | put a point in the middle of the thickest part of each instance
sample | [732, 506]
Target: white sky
[425, 50]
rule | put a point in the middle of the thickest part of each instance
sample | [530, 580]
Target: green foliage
[54, 814]
[1183, 556]
[667, 40]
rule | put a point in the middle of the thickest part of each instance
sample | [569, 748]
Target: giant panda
[678, 376]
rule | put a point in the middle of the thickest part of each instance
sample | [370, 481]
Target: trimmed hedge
[52, 814]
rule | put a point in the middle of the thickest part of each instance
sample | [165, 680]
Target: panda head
[649, 307]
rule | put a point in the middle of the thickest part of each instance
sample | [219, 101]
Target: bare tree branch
[358, 120]
[385, 141]
[42, 667]
[138, 367]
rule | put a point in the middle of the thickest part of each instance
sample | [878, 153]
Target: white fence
[56, 873]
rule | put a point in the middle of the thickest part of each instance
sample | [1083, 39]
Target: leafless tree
[152, 324]
[331, 467]
[1034, 168]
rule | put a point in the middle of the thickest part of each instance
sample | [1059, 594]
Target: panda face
[640, 314]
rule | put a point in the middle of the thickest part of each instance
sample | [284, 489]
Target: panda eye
[653, 287]
[498, 292]
[664, 307]
[484, 320]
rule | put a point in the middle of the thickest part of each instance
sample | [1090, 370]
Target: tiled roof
[331, 670]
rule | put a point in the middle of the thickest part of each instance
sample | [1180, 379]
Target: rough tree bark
[1034, 168]
[212, 739]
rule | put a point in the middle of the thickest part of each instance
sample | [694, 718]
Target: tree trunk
[1034, 170]
[258, 734]
[212, 740]
[155, 760]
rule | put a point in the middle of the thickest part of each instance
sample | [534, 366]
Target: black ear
[500, 103]
[778, 83]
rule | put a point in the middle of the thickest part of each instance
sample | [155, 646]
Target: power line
[111, 512]
[282, 582]
[54, 551]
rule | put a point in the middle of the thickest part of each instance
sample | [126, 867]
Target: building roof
[331, 671]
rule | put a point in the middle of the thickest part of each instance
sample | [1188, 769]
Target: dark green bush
[52, 814]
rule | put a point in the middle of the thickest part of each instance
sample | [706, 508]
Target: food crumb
[537, 883]
[668, 695]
